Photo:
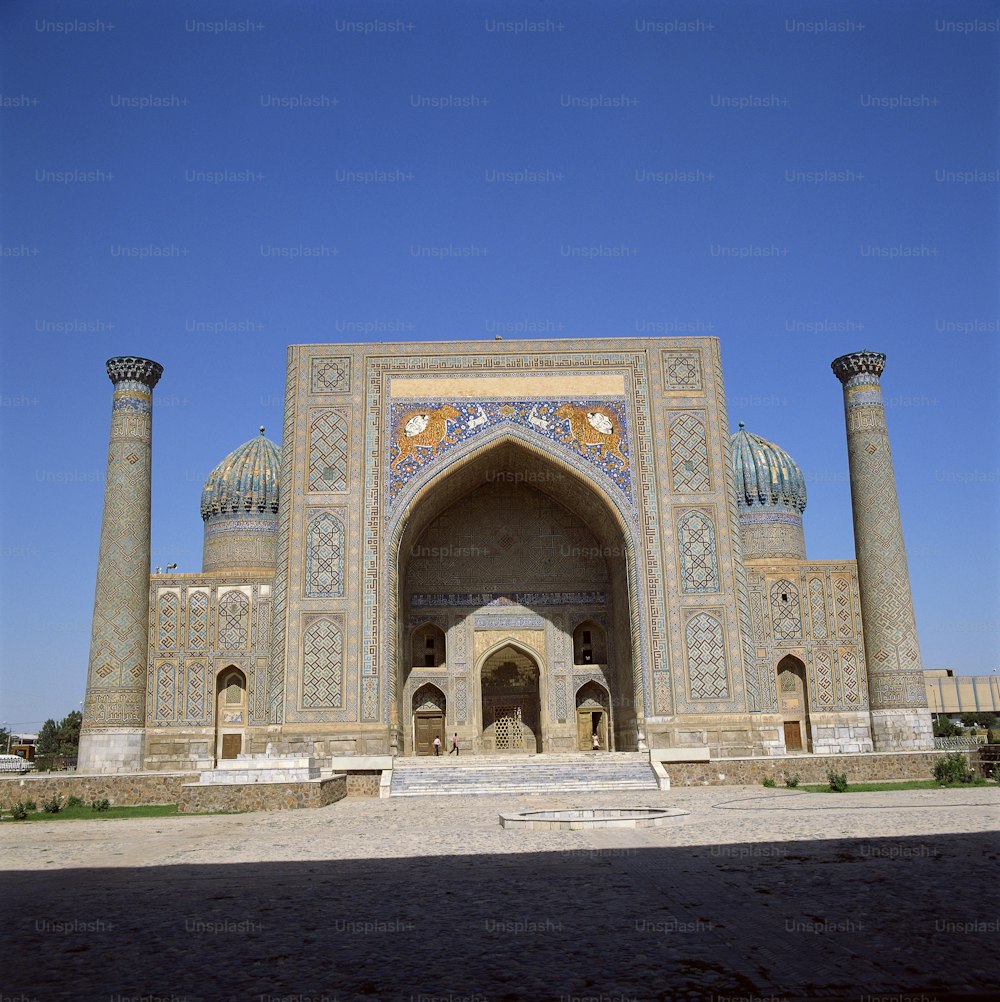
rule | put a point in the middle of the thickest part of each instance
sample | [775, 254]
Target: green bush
[19, 811]
[769, 782]
[74, 802]
[30, 805]
[53, 806]
[791, 782]
[953, 768]
[101, 805]
[837, 780]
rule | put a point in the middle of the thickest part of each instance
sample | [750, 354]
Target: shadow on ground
[841, 919]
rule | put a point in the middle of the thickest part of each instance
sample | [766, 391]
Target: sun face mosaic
[423, 431]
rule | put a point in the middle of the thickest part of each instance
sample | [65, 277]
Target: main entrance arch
[509, 543]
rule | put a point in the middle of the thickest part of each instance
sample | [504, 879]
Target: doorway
[511, 705]
[428, 719]
[592, 717]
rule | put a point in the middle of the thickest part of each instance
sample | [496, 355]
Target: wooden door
[793, 735]
[428, 726]
[584, 730]
[232, 745]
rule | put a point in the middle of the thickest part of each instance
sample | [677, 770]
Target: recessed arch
[230, 712]
[793, 701]
[510, 690]
[509, 453]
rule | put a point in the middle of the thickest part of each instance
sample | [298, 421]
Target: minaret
[898, 699]
[114, 713]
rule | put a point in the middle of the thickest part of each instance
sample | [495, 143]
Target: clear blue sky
[798, 179]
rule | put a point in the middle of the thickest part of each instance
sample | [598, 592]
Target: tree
[62, 738]
[944, 728]
[48, 739]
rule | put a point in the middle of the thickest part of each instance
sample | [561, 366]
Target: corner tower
[898, 699]
[114, 711]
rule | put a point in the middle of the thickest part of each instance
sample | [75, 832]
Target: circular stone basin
[592, 817]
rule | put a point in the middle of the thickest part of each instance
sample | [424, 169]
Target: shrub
[952, 768]
[53, 806]
[791, 782]
[74, 802]
[19, 811]
[769, 782]
[837, 780]
[101, 805]
[30, 805]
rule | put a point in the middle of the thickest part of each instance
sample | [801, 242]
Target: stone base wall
[363, 784]
[323, 745]
[176, 749]
[727, 735]
[111, 750]
[122, 790]
[196, 798]
[768, 732]
[809, 768]
[841, 733]
[902, 730]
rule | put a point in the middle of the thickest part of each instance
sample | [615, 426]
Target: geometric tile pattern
[277, 675]
[708, 676]
[330, 375]
[234, 621]
[198, 677]
[817, 609]
[369, 698]
[689, 466]
[842, 597]
[682, 370]
[322, 665]
[461, 700]
[328, 456]
[197, 639]
[696, 545]
[849, 679]
[823, 688]
[325, 557]
[786, 618]
[166, 692]
[169, 611]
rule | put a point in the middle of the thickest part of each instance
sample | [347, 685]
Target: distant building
[529, 543]
[953, 694]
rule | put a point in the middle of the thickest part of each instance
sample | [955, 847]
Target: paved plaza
[756, 894]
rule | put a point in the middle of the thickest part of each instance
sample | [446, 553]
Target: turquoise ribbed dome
[765, 474]
[245, 482]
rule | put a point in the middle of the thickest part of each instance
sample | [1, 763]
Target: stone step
[528, 774]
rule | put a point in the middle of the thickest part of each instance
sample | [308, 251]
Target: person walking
[454, 744]
[437, 744]
[597, 743]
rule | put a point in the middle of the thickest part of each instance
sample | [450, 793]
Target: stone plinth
[197, 798]
[248, 769]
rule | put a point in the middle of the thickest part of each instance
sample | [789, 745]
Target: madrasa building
[542, 546]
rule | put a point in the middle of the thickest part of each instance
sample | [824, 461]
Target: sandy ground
[755, 895]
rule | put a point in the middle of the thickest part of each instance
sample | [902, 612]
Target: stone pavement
[755, 895]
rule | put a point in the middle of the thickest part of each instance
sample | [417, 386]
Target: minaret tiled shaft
[898, 699]
[115, 708]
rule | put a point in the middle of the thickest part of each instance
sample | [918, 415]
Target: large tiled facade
[539, 546]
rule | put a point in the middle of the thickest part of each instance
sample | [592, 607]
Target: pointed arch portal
[508, 549]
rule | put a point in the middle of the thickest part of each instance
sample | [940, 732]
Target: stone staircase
[516, 774]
